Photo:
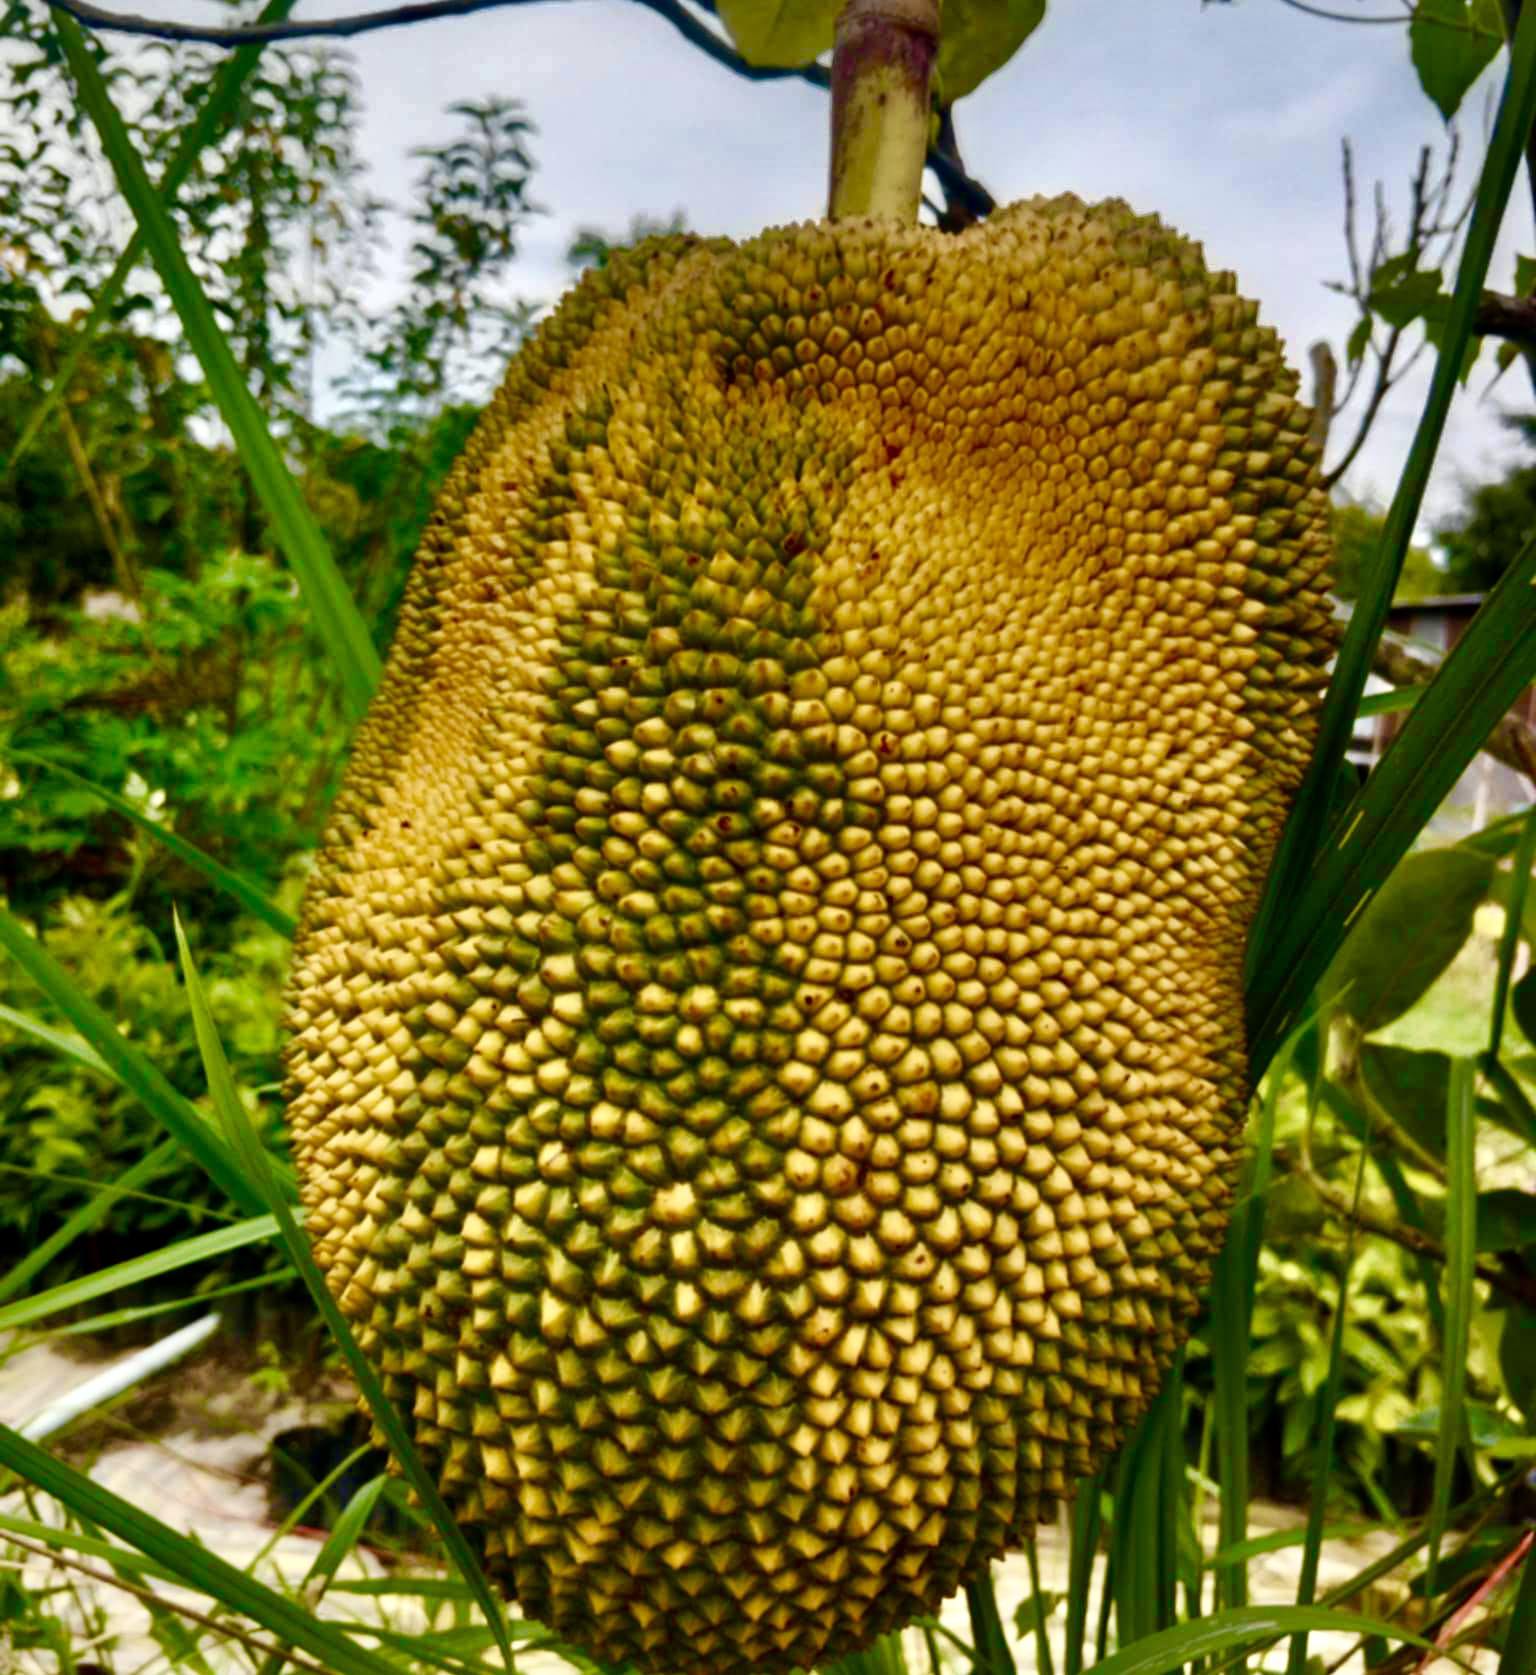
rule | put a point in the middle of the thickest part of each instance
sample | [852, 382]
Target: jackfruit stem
[882, 65]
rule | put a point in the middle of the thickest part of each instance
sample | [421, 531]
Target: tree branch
[1513, 318]
[962, 192]
[1511, 742]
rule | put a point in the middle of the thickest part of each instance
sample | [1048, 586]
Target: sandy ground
[191, 1448]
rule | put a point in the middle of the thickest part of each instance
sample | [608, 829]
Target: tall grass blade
[994, 1656]
[1087, 1522]
[205, 127]
[1509, 939]
[89, 1215]
[1230, 1335]
[1493, 662]
[1460, 1268]
[192, 1565]
[254, 1159]
[66, 1046]
[1308, 826]
[177, 1116]
[343, 1538]
[1044, 1664]
[203, 1247]
[337, 618]
[1145, 1539]
[1246, 1628]
[217, 874]
[1327, 1409]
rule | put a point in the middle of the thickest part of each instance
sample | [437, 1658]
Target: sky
[1225, 119]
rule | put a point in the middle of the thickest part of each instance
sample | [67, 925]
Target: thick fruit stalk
[882, 66]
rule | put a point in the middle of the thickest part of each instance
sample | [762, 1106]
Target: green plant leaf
[1409, 298]
[1411, 1087]
[1517, 1359]
[231, 883]
[1232, 1631]
[781, 34]
[341, 627]
[180, 1119]
[1506, 1219]
[254, 1160]
[192, 1565]
[1452, 43]
[1409, 933]
[978, 38]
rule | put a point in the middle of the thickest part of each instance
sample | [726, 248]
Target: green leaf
[1517, 1359]
[1232, 1631]
[1525, 276]
[1522, 1001]
[340, 625]
[1358, 341]
[244, 892]
[1506, 1219]
[192, 1565]
[781, 34]
[1409, 933]
[180, 1119]
[1514, 901]
[1410, 298]
[1452, 43]
[255, 1161]
[979, 37]
[1412, 1087]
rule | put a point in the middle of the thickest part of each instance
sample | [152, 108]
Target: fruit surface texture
[766, 1055]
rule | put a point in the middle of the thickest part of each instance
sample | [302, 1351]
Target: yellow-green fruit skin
[767, 1051]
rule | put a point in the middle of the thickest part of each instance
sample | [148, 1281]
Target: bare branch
[1344, 17]
[963, 194]
[1511, 742]
[1512, 318]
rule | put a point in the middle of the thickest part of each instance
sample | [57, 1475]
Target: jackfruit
[767, 1052]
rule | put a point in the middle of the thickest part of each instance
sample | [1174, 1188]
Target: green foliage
[977, 39]
[1494, 523]
[1453, 42]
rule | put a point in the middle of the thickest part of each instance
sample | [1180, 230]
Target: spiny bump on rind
[767, 1057]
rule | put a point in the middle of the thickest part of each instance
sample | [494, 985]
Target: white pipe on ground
[121, 1376]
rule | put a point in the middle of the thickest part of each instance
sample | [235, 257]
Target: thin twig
[1518, 1287]
[224, 1630]
[1343, 17]
[963, 193]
